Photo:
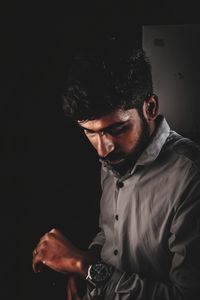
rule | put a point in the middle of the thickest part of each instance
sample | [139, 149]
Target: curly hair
[103, 79]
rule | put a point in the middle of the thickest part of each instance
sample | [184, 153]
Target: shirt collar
[156, 144]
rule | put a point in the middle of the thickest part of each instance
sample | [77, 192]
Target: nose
[105, 145]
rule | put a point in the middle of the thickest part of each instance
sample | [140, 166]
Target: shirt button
[120, 184]
[116, 217]
[115, 252]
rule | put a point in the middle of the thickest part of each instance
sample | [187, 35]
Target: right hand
[55, 251]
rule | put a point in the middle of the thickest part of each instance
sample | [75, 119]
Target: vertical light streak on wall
[174, 52]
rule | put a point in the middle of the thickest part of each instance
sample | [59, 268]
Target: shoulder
[185, 149]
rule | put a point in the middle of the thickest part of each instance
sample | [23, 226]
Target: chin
[122, 167]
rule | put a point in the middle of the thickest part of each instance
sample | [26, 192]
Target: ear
[150, 108]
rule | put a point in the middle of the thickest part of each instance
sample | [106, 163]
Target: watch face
[100, 272]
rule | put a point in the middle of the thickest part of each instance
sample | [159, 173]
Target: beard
[120, 163]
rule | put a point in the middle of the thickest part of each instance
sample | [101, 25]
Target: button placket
[115, 252]
[119, 186]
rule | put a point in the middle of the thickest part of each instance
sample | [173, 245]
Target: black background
[49, 172]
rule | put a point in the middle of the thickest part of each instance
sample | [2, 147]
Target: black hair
[104, 78]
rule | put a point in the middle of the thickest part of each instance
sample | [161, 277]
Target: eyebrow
[110, 127]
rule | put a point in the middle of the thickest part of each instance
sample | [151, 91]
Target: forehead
[117, 116]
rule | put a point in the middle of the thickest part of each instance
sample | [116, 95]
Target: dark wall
[44, 161]
[49, 172]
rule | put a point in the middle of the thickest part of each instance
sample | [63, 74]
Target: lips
[114, 159]
[116, 162]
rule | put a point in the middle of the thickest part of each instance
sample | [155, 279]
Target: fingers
[52, 234]
[51, 250]
[38, 263]
[43, 251]
[54, 230]
[48, 235]
[44, 239]
[39, 258]
[34, 252]
[56, 234]
[39, 254]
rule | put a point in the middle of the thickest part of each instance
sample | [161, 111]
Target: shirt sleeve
[184, 272]
[98, 240]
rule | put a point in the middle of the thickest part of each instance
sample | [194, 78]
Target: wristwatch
[99, 273]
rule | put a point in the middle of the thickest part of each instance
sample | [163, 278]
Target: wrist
[84, 262]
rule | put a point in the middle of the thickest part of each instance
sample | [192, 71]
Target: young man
[149, 241]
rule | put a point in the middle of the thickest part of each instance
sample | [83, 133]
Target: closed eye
[118, 130]
[89, 132]
[114, 129]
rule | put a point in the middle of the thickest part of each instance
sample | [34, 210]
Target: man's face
[118, 137]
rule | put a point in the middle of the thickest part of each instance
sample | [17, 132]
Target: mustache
[114, 156]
